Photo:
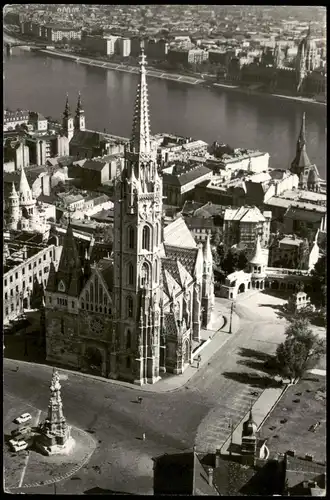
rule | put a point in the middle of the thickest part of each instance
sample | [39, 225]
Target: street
[200, 413]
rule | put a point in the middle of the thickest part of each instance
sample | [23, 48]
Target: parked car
[21, 430]
[25, 417]
[18, 445]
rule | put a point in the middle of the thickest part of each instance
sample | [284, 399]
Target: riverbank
[244, 90]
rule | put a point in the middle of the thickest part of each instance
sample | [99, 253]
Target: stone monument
[54, 433]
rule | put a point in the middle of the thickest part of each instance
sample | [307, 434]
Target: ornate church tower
[67, 122]
[301, 165]
[137, 241]
[208, 284]
[79, 121]
[13, 208]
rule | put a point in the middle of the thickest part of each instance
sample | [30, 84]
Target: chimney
[210, 475]
[309, 457]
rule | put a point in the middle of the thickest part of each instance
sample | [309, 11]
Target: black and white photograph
[164, 249]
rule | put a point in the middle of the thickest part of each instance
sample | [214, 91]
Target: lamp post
[231, 317]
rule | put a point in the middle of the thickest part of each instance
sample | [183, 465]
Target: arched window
[101, 294]
[130, 273]
[157, 235]
[128, 362]
[144, 274]
[130, 237]
[87, 296]
[129, 306]
[91, 292]
[128, 339]
[146, 238]
[156, 270]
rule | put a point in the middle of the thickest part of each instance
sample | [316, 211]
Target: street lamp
[231, 317]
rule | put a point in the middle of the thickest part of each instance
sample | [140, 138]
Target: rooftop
[186, 177]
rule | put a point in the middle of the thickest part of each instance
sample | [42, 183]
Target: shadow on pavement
[102, 491]
[255, 365]
[252, 353]
[252, 379]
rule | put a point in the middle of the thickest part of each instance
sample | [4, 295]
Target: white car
[18, 445]
[25, 417]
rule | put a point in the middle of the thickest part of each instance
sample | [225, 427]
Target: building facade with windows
[23, 264]
[140, 313]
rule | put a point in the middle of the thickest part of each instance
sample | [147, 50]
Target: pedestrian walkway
[260, 411]
[216, 427]
[316, 371]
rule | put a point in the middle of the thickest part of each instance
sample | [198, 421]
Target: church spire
[25, 192]
[67, 112]
[140, 140]
[302, 135]
[257, 257]
[79, 104]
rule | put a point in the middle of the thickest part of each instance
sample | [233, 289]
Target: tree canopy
[300, 351]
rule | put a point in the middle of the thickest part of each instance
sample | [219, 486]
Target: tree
[289, 358]
[230, 262]
[299, 351]
[303, 254]
[242, 260]
[319, 279]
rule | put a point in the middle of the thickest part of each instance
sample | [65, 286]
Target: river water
[37, 82]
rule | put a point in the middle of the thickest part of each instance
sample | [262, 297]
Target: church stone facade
[139, 313]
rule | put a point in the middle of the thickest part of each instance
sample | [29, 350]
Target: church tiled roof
[187, 256]
[169, 282]
[69, 269]
[86, 139]
[177, 234]
[171, 325]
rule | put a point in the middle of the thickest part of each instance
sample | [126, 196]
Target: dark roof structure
[86, 139]
[181, 474]
[94, 165]
[69, 271]
[186, 177]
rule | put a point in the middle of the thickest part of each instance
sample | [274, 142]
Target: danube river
[37, 82]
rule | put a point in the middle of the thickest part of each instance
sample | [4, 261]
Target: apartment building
[242, 226]
[23, 263]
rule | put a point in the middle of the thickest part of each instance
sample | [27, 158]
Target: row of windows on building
[11, 291]
[144, 275]
[23, 269]
[146, 237]
[89, 307]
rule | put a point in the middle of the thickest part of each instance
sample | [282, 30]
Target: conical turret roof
[67, 111]
[249, 426]
[140, 140]
[80, 108]
[207, 254]
[258, 256]
[13, 192]
[25, 192]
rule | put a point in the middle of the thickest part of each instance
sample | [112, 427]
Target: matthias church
[139, 312]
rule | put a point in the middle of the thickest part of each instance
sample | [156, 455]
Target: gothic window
[157, 235]
[62, 326]
[91, 292]
[96, 289]
[105, 300]
[82, 304]
[128, 339]
[156, 270]
[130, 273]
[129, 306]
[87, 296]
[146, 238]
[130, 237]
[61, 286]
[128, 362]
[144, 274]
[101, 294]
